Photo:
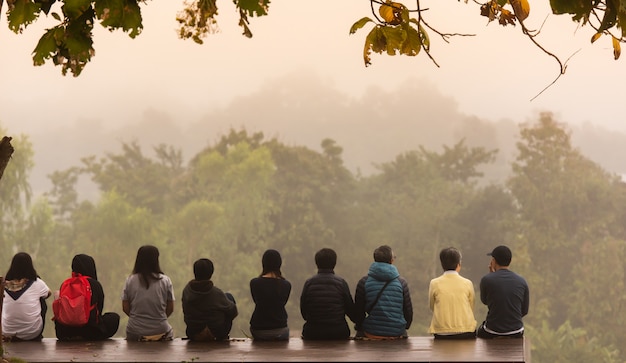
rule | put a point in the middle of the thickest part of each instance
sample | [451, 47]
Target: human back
[382, 299]
[270, 292]
[506, 295]
[207, 310]
[24, 307]
[451, 300]
[99, 325]
[504, 292]
[326, 301]
[148, 298]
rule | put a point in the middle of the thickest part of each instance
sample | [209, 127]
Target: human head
[271, 262]
[21, 267]
[326, 258]
[502, 255]
[384, 253]
[450, 258]
[147, 264]
[203, 269]
[84, 265]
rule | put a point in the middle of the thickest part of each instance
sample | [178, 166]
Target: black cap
[502, 255]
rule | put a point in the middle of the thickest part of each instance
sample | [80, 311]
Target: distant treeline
[563, 215]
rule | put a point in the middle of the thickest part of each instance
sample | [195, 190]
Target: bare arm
[169, 308]
[126, 307]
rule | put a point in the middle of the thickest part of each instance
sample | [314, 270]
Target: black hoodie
[205, 305]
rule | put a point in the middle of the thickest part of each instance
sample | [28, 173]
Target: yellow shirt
[452, 303]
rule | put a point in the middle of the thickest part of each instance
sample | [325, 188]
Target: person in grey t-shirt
[148, 299]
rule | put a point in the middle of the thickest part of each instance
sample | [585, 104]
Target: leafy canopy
[397, 27]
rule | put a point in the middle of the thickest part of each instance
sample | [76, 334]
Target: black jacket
[324, 304]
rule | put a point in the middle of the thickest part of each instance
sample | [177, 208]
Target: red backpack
[73, 306]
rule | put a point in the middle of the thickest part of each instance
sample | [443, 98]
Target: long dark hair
[147, 264]
[271, 262]
[21, 267]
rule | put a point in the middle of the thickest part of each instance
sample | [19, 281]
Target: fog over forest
[303, 109]
[407, 168]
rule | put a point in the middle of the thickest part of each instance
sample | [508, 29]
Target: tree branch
[6, 150]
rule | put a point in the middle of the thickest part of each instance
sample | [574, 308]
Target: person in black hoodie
[208, 311]
[100, 326]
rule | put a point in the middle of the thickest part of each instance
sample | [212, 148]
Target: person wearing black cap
[507, 298]
[100, 326]
[270, 292]
[208, 311]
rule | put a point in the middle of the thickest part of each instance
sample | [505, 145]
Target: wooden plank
[415, 349]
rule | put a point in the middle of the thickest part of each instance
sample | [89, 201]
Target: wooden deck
[414, 349]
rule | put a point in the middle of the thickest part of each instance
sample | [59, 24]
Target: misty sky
[493, 75]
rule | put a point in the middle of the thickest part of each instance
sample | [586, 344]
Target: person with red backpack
[78, 307]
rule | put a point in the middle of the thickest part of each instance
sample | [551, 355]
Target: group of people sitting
[381, 308]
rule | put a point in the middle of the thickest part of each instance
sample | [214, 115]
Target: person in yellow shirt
[451, 299]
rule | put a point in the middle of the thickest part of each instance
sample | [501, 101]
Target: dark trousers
[482, 333]
[104, 329]
[213, 333]
[468, 335]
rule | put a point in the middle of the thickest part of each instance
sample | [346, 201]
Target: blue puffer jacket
[387, 317]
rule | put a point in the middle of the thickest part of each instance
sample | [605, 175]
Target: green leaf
[75, 8]
[395, 37]
[375, 41]
[253, 7]
[359, 24]
[46, 46]
[423, 37]
[413, 42]
[115, 14]
[405, 14]
[46, 5]
[22, 13]
[378, 40]
[579, 8]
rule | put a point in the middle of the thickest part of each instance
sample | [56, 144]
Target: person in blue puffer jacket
[382, 300]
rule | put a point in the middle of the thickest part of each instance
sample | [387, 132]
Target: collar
[450, 272]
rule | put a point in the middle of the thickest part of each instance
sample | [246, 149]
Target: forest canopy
[245, 193]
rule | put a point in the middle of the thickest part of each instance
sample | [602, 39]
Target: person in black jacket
[208, 311]
[325, 301]
[100, 326]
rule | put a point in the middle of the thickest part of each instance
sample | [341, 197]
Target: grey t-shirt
[147, 306]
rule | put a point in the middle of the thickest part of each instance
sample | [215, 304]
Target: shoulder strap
[378, 296]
